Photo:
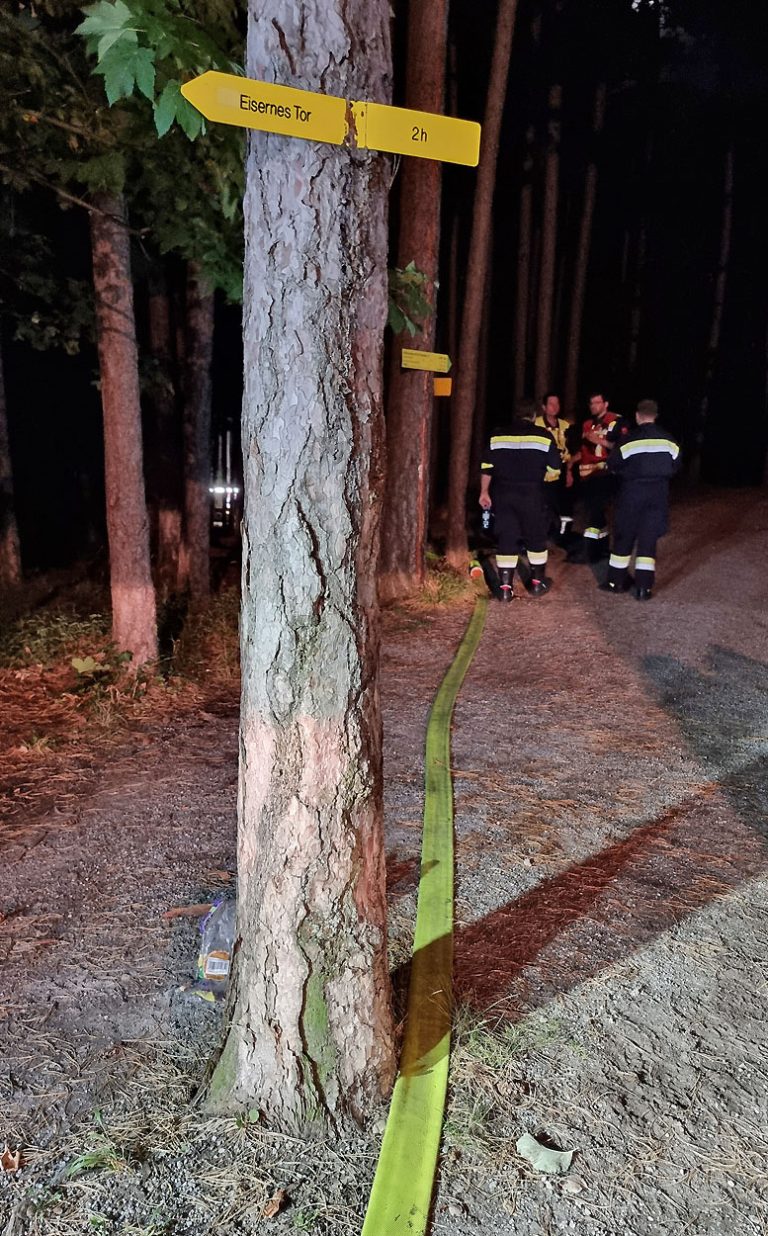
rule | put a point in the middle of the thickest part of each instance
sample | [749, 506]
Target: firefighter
[644, 463]
[512, 479]
[558, 490]
[599, 433]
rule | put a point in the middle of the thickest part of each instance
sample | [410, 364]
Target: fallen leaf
[274, 1204]
[543, 1158]
[10, 1160]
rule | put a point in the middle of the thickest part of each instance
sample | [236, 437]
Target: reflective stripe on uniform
[595, 534]
[521, 442]
[619, 561]
[537, 559]
[485, 467]
[645, 564]
[506, 560]
[649, 446]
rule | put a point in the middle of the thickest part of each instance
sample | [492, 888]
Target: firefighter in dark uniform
[644, 462]
[599, 433]
[558, 491]
[512, 482]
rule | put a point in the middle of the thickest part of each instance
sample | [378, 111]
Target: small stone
[572, 1185]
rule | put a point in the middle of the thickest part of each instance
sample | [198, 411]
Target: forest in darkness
[674, 296]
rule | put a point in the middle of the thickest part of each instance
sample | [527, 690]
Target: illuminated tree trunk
[134, 621]
[463, 402]
[10, 556]
[310, 1041]
[543, 363]
[582, 258]
[198, 354]
[410, 400]
[164, 454]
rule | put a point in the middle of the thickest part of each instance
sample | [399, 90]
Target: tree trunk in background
[480, 422]
[10, 555]
[466, 379]
[582, 259]
[164, 468]
[522, 289]
[718, 304]
[636, 309]
[410, 401]
[543, 364]
[311, 1038]
[198, 355]
[134, 619]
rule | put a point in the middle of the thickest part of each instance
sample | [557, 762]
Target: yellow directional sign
[435, 362]
[229, 99]
[400, 130]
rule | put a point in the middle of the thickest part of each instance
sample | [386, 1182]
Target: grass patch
[47, 636]
[208, 645]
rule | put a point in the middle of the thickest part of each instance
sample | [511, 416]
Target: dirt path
[612, 902]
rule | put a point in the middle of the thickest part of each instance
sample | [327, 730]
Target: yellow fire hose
[402, 1187]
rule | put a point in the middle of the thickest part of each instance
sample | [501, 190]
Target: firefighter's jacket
[524, 454]
[559, 433]
[648, 457]
[593, 457]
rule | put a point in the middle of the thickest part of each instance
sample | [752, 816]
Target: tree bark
[411, 399]
[582, 258]
[310, 1041]
[543, 363]
[10, 554]
[522, 291]
[198, 354]
[466, 379]
[718, 304]
[134, 620]
[164, 468]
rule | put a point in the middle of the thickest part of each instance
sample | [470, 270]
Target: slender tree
[410, 400]
[163, 457]
[198, 353]
[134, 620]
[583, 245]
[523, 284]
[10, 555]
[718, 305]
[546, 290]
[463, 401]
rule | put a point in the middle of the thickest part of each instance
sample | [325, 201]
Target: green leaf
[87, 665]
[117, 69]
[111, 37]
[165, 107]
[542, 1158]
[104, 17]
[189, 118]
[144, 68]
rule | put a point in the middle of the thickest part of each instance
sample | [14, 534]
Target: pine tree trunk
[463, 401]
[134, 621]
[543, 363]
[718, 305]
[410, 400]
[10, 556]
[525, 231]
[582, 258]
[198, 355]
[310, 1041]
[165, 447]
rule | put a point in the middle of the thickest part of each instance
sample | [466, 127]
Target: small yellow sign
[435, 362]
[443, 386]
[229, 99]
[400, 130]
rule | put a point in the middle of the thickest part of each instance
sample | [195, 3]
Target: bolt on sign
[228, 99]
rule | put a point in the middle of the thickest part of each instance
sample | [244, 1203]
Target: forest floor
[611, 792]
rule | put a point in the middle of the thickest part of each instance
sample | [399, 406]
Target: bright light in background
[224, 489]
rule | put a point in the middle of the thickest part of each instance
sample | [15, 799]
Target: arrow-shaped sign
[228, 99]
